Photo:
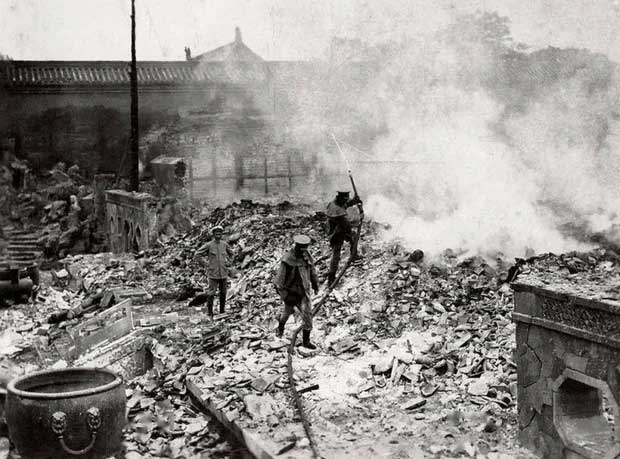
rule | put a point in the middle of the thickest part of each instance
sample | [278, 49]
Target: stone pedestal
[568, 364]
[131, 220]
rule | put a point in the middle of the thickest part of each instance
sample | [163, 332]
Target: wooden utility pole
[135, 141]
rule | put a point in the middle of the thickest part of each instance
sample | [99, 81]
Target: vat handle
[59, 426]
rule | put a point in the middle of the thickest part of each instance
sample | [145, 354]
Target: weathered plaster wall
[90, 127]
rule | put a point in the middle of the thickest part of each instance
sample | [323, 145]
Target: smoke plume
[476, 145]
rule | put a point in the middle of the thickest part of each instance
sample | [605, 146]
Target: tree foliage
[485, 28]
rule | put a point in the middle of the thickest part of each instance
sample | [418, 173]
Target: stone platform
[568, 359]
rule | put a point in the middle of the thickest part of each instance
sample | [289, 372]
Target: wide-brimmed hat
[301, 239]
[217, 228]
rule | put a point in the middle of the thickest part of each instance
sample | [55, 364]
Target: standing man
[216, 255]
[340, 230]
[296, 276]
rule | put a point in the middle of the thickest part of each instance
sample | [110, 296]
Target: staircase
[22, 251]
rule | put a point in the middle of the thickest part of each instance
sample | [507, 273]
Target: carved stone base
[568, 358]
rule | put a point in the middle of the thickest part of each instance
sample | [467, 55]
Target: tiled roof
[44, 75]
[116, 73]
[231, 52]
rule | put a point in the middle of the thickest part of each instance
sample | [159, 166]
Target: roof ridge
[235, 47]
[25, 74]
[180, 63]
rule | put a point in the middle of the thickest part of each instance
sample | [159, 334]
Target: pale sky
[279, 29]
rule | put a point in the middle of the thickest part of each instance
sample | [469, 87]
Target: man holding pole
[340, 230]
[339, 227]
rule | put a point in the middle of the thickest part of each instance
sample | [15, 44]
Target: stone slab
[128, 356]
[259, 447]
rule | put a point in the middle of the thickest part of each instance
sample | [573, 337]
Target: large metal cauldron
[70, 413]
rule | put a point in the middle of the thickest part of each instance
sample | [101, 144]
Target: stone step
[28, 257]
[9, 230]
[22, 246]
[24, 239]
[20, 233]
[11, 255]
[23, 249]
[12, 242]
[19, 242]
[22, 254]
[20, 251]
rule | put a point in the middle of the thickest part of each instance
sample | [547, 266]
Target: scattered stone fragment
[405, 357]
[383, 365]
[303, 443]
[414, 403]
[287, 447]
[259, 406]
[259, 384]
[478, 388]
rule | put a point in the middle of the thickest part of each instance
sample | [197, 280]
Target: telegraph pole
[135, 142]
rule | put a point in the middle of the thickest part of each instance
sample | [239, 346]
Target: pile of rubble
[452, 320]
[591, 275]
[410, 348]
[163, 420]
[434, 336]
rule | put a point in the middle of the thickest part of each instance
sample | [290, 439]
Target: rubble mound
[413, 353]
[423, 342]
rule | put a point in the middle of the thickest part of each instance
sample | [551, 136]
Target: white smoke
[455, 167]
[466, 190]
[560, 138]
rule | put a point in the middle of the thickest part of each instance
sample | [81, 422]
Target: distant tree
[4, 57]
[488, 29]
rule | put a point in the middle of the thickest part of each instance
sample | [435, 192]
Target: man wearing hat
[339, 230]
[296, 276]
[216, 254]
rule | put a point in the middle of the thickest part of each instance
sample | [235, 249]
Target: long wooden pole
[135, 142]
